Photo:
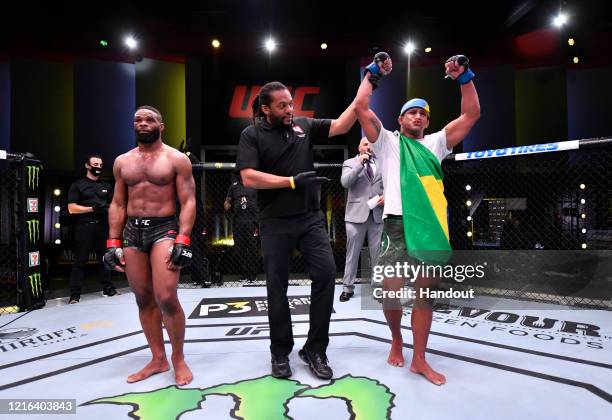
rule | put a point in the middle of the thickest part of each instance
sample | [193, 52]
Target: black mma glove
[375, 68]
[180, 252]
[468, 74]
[113, 257]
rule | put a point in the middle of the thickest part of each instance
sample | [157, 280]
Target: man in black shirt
[242, 202]
[88, 202]
[275, 157]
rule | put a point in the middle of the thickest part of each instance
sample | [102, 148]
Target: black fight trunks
[142, 232]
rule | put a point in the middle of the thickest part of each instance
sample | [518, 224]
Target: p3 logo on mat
[245, 306]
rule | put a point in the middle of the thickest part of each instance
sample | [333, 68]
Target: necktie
[369, 171]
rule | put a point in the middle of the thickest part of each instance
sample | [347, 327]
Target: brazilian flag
[423, 203]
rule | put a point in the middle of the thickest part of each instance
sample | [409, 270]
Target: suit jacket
[360, 190]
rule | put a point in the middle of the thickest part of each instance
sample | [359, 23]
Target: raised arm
[371, 125]
[456, 130]
[344, 122]
[117, 212]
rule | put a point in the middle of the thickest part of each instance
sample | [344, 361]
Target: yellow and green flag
[423, 203]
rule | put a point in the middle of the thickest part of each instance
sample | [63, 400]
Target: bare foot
[396, 358]
[182, 373]
[424, 369]
[151, 368]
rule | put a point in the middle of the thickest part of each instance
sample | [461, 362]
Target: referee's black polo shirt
[283, 151]
[87, 192]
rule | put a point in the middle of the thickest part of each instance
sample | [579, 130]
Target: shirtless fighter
[148, 181]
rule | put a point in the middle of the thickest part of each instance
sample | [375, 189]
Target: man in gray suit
[362, 176]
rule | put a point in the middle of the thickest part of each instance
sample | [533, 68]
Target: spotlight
[584, 246]
[560, 20]
[583, 230]
[582, 201]
[57, 225]
[58, 241]
[582, 186]
[130, 42]
[468, 187]
[468, 203]
[409, 48]
[270, 45]
[583, 216]
[428, 49]
[469, 234]
[57, 191]
[56, 209]
[571, 42]
[324, 46]
[469, 218]
[576, 60]
[215, 43]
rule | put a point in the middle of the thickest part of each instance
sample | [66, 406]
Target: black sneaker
[74, 298]
[318, 363]
[280, 367]
[345, 296]
[111, 291]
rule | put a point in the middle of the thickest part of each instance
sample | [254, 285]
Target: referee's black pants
[89, 237]
[307, 233]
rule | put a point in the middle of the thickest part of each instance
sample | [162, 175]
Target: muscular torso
[151, 182]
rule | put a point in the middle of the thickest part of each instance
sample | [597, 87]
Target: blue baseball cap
[415, 103]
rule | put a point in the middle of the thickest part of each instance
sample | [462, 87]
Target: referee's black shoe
[280, 367]
[345, 296]
[318, 363]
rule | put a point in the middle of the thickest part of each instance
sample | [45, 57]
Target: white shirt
[387, 150]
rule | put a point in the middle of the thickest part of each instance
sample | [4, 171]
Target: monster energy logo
[33, 176]
[33, 230]
[35, 284]
[260, 398]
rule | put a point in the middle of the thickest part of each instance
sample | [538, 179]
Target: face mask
[95, 171]
[149, 137]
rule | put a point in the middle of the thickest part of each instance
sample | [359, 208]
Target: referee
[275, 157]
[88, 202]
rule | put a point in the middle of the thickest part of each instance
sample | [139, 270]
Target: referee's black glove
[307, 179]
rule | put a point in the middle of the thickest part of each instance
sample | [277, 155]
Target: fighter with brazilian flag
[415, 225]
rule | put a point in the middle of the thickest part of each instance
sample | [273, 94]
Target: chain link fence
[21, 286]
[9, 199]
[543, 219]
[228, 251]
[525, 211]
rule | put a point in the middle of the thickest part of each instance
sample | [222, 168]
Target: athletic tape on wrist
[182, 239]
[465, 77]
[113, 243]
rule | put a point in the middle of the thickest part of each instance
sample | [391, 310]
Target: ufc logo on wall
[240, 107]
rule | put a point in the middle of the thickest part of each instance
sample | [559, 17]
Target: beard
[278, 121]
[148, 138]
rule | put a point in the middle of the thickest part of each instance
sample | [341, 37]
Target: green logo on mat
[33, 172]
[260, 398]
[33, 230]
[36, 284]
